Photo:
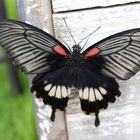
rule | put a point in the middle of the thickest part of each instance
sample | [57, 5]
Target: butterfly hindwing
[29, 47]
[53, 87]
[120, 53]
[96, 91]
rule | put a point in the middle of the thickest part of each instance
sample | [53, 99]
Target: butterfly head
[76, 49]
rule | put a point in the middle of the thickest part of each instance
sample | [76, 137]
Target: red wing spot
[92, 52]
[57, 48]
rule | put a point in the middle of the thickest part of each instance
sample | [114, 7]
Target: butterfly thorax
[75, 59]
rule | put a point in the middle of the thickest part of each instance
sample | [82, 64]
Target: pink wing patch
[57, 48]
[92, 52]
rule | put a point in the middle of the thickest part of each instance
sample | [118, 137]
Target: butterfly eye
[60, 50]
[92, 52]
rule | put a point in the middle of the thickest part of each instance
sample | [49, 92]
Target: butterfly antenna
[69, 31]
[89, 35]
[66, 45]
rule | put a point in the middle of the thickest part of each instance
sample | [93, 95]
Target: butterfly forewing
[120, 53]
[28, 46]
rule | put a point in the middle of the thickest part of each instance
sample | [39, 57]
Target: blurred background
[17, 120]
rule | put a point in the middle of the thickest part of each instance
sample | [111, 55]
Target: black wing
[116, 56]
[120, 52]
[36, 52]
[29, 47]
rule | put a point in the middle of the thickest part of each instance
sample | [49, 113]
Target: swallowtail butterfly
[58, 68]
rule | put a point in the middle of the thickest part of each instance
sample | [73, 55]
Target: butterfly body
[58, 68]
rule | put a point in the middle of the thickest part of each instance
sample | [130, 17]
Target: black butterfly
[57, 68]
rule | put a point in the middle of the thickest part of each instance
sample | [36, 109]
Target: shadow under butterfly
[58, 67]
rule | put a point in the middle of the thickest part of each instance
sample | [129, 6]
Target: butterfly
[58, 68]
